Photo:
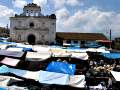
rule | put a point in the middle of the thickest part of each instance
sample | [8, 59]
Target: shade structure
[77, 81]
[53, 78]
[61, 54]
[82, 56]
[15, 49]
[111, 55]
[10, 61]
[116, 75]
[40, 48]
[15, 54]
[62, 67]
[38, 55]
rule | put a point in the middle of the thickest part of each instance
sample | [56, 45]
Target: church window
[31, 24]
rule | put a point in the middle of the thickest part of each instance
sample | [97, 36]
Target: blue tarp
[62, 67]
[2, 88]
[4, 69]
[7, 43]
[111, 55]
[24, 48]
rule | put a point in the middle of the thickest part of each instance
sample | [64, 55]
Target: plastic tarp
[15, 49]
[111, 55]
[57, 49]
[76, 50]
[82, 56]
[37, 55]
[62, 67]
[44, 77]
[21, 73]
[53, 78]
[10, 61]
[116, 75]
[25, 47]
[102, 50]
[39, 48]
[61, 54]
[3, 46]
[11, 53]
[4, 80]
[77, 81]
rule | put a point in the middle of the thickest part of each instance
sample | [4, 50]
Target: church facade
[32, 26]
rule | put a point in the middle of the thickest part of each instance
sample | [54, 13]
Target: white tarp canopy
[77, 81]
[38, 55]
[4, 46]
[53, 78]
[10, 61]
[15, 49]
[62, 79]
[82, 56]
[23, 45]
[77, 50]
[61, 54]
[11, 53]
[40, 48]
[102, 50]
[5, 79]
[116, 75]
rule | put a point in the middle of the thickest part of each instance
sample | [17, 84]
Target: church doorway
[31, 39]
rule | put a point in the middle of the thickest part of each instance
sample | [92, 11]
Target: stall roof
[15, 49]
[116, 75]
[82, 56]
[111, 55]
[11, 53]
[80, 36]
[10, 61]
[37, 55]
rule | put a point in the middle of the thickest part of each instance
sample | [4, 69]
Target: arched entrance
[31, 39]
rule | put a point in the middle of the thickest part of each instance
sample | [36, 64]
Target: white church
[32, 26]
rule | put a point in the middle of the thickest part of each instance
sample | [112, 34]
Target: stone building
[32, 26]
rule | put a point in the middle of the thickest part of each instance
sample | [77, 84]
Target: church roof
[80, 36]
[32, 5]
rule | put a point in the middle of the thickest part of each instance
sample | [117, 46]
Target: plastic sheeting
[53, 78]
[61, 54]
[62, 67]
[25, 47]
[38, 55]
[82, 56]
[83, 50]
[11, 53]
[4, 69]
[77, 81]
[21, 73]
[111, 55]
[4, 80]
[10, 61]
[39, 48]
[116, 75]
[15, 49]
[45, 77]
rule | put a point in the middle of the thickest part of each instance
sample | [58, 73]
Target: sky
[84, 16]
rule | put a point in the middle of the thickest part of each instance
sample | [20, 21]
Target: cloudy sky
[72, 15]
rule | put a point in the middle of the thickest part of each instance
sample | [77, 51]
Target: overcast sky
[72, 15]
